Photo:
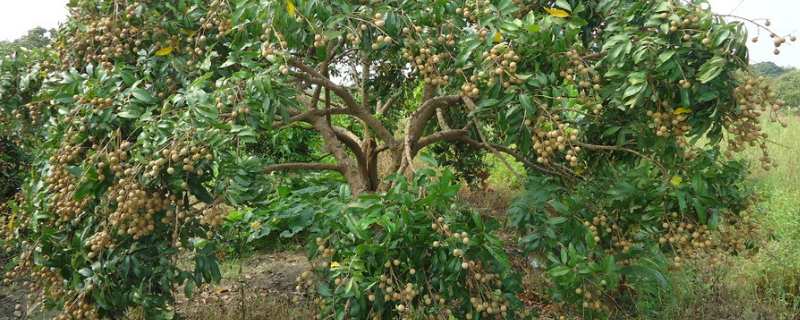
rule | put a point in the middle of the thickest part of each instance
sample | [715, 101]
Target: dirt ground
[259, 287]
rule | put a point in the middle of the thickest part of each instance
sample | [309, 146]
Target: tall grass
[773, 277]
[768, 285]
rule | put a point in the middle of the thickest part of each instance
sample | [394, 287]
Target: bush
[412, 252]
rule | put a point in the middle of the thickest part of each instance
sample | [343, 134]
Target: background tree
[151, 111]
[787, 86]
[770, 69]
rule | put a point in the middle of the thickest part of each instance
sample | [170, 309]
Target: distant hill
[770, 69]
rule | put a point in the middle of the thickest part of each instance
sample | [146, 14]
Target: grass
[774, 275]
[768, 285]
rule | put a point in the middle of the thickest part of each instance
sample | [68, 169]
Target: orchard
[146, 121]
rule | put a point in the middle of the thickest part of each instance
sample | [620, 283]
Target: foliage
[297, 207]
[13, 166]
[616, 231]
[286, 146]
[144, 123]
[412, 252]
[770, 69]
[35, 38]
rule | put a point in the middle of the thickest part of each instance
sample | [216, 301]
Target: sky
[783, 16]
[19, 16]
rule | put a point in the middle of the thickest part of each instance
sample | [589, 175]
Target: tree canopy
[770, 69]
[146, 119]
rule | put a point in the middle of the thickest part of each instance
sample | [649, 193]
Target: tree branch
[382, 109]
[416, 122]
[309, 116]
[439, 136]
[595, 56]
[515, 155]
[472, 106]
[302, 166]
[312, 76]
[660, 166]
[442, 123]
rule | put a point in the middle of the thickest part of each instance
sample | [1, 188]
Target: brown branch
[515, 155]
[312, 76]
[473, 107]
[436, 137]
[351, 141]
[302, 166]
[663, 169]
[382, 109]
[364, 94]
[595, 56]
[418, 119]
[309, 116]
[440, 116]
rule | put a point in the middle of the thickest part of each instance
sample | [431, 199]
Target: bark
[349, 168]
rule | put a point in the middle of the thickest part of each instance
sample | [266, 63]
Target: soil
[269, 279]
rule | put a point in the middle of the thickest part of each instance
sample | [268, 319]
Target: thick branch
[312, 76]
[382, 109]
[416, 123]
[595, 56]
[349, 170]
[302, 166]
[351, 141]
[440, 116]
[310, 115]
[436, 137]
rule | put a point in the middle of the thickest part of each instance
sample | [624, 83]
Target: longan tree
[625, 114]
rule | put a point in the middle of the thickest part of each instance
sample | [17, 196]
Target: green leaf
[563, 4]
[188, 289]
[556, 220]
[559, 271]
[75, 171]
[200, 192]
[83, 190]
[499, 255]
[142, 95]
[429, 159]
[532, 27]
[476, 217]
[560, 207]
[644, 273]
[325, 290]
[701, 210]
[710, 70]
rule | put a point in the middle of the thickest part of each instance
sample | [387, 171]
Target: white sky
[783, 14]
[19, 16]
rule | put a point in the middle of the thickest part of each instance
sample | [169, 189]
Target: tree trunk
[350, 170]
